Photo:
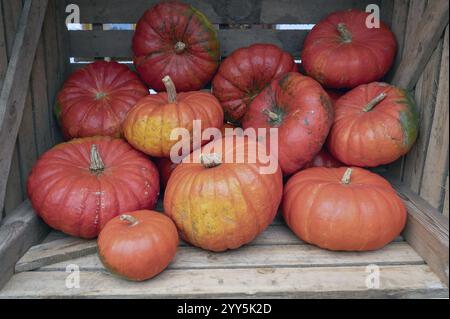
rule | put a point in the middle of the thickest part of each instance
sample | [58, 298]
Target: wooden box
[37, 52]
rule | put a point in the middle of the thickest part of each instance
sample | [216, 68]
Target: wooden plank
[425, 96]
[117, 43]
[410, 281]
[426, 231]
[14, 191]
[221, 12]
[386, 11]
[13, 95]
[415, 12]
[18, 232]
[3, 53]
[433, 23]
[445, 206]
[436, 163]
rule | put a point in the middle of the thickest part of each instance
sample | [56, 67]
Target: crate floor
[276, 264]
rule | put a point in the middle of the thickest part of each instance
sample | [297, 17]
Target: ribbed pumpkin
[323, 159]
[219, 205]
[96, 99]
[78, 186]
[245, 73]
[343, 52]
[150, 123]
[374, 124]
[343, 208]
[138, 245]
[301, 111]
[175, 39]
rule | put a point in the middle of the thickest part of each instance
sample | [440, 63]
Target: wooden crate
[37, 52]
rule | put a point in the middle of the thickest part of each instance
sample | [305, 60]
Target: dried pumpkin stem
[210, 160]
[170, 88]
[272, 115]
[346, 36]
[132, 221]
[179, 47]
[97, 164]
[374, 102]
[347, 176]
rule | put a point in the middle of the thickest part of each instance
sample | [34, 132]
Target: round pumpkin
[343, 52]
[343, 208]
[138, 245]
[165, 167]
[219, 204]
[150, 123]
[245, 73]
[301, 111]
[374, 124]
[96, 98]
[323, 159]
[175, 39]
[78, 186]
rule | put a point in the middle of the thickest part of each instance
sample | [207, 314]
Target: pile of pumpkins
[333, 124]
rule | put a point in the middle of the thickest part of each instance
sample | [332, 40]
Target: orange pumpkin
[218, 205]
[150, 123]
[138, 245]
[374, 124]
[343, 208]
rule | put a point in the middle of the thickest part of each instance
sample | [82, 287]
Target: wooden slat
[14, 194]
[117, 43]
[415, 12]
[445, 206]
[426, 231]
[250, 11]
[3, 53]
[436, 164]
[15, 87]
[433, 22]
[413, 281]
[425, 96]
[18, 232]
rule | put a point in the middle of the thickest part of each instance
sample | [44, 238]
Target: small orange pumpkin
[343, 208]
[138, 245]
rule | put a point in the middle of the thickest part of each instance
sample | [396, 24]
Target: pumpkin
[245, 73]
[374, 124]
[342, 52]
[218, 204]
[323, 159]
[301, 111]
[150, 123]
[138, 245]
[343, 208]
[334, 95]
[78, 186]
[175, 39]
[165, 167]
[96, 98]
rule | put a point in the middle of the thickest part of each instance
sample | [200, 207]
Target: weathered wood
[436, 162]
[15, 87]
[415, 12]
[117, 43]
[429, 31]
[18, 232]
[410, 281]
[398, 26]
[14, 192]
[3, 53]
[445, 206]
[221, 11]
[425, 96]
[426, 231]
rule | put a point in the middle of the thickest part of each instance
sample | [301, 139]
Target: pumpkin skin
[138, 245]
[301, 110]
[74, 191]
[245, 73]
[341, 52]
[165, 168]
[376, 136]
[95, 99]
[226, 206]
[175, 39]
[323, 159]
[328, 208]
[149, 124]
[334, 95]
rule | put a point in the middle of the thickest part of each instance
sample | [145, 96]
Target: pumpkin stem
[132, 221]
[374, 102]
[210, 160]
[272, 115]
[170, 88]
[97, 164]
[179, 47]
[347, 176]
[346, 36]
